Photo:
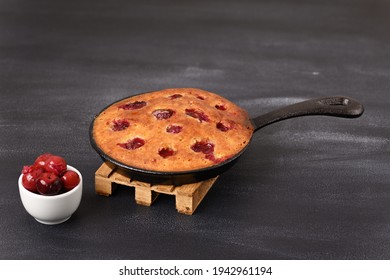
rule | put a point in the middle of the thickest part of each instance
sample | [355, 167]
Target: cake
[172, 130]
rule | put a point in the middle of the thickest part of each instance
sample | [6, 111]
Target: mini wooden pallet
[188, 197]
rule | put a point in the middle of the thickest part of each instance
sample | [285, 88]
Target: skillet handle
[336, 106]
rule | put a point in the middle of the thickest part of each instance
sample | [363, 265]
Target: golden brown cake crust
[172, 130]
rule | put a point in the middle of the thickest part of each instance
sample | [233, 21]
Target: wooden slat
[105, 169]
[140, 184]
[188, 189]
[188, 197]
[166, 189]
[120, 179]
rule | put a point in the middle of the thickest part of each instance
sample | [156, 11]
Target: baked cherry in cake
[119, 124]
[172, 130]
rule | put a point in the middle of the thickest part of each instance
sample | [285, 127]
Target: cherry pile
[49, 176]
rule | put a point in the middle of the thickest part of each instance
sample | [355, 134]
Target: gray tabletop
[307, 188]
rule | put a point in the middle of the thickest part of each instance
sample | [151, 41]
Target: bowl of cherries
[50, 189]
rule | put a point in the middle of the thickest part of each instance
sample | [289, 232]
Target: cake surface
[172, 130]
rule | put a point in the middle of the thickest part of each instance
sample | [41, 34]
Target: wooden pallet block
[188, 197]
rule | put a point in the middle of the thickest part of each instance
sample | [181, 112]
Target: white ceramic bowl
[52, 210]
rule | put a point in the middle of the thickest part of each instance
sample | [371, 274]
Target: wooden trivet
[188, 197]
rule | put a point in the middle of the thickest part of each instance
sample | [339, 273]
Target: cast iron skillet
[336, 106]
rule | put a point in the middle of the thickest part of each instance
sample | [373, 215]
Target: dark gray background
[307, 188]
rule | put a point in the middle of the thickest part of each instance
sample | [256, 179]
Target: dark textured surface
[307, 188]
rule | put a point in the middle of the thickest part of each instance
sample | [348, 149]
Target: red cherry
[224, 126]
[175, 96]
[166, 152]
[132, 144]
[174, 129]
[163, 114]
[203, 147]
[118, 125]
[56, 165]
[28, 169]
[70, 180]
[220, 107]
[133, 106]
[30, 179]
[197, 114]
[49, 184]
[214, 159]
[41, 160]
